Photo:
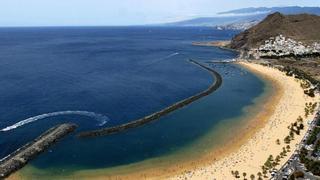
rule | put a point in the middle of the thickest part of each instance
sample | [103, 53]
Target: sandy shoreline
[253, 154]
[248, 152]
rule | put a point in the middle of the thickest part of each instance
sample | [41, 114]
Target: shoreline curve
[243, 150]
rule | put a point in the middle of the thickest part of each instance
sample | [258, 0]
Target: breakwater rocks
[110, 130]
[23, 155]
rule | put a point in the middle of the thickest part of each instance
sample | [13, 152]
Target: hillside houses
[281, 46]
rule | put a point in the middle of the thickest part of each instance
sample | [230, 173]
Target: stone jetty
[19, 158]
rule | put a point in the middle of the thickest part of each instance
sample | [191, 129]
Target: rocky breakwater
[23, 155]
[116, 129]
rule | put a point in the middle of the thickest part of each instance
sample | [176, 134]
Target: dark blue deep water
[122, 74]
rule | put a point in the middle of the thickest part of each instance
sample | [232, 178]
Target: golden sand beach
[246, 152]
[252, 154]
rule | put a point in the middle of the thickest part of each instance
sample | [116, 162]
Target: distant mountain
[301, 27]
[284, 10]
[242, 19]
[212, 21]
[243, 25]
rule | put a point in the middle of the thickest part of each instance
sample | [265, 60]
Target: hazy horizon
[126, 12]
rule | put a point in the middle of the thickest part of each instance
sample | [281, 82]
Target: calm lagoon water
[121, 74]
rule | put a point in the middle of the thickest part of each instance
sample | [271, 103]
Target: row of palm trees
[294, 128]
[310, 108]
[272, 162]
[236, 174]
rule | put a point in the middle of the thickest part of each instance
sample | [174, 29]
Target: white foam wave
[99, 117]
[171, 55]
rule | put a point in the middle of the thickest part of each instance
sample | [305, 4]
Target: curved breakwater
[110, 130]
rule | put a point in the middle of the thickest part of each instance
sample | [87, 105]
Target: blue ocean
[103, 76]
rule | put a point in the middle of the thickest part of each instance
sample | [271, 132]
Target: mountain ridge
[285, 10]
[239, 17]
[301, 27]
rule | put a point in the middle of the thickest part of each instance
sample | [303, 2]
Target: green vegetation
[259, 175]
[309, 85]
[310, 108]
[316, 148]
[300, 119]
[294, 128]
[318, 121]
[252, 176]
[305, 84]
[307, 80]
[311, 165]
[309, 92]
[277, 159]
[235, 174]
[290, 71]
[287, 139]
[244, 175]
[288, 148]
[268, 164]
[313, 136]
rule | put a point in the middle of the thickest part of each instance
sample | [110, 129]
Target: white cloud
[121, 12]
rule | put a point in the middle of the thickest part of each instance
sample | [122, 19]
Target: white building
[281, 46]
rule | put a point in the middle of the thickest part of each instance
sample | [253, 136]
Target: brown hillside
[302, 27]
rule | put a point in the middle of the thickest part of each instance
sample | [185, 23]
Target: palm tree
[287, 140]
[277, 159]
[236, 173]
[259, 175]
[281, 155]
[271, 158]
[252, 177]
[244, 175]
[300, 120]
[288, 147]
[265, 173]
[285, 153]
[301, 126]
[291, 135]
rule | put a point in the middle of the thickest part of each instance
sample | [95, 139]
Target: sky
[121, 12]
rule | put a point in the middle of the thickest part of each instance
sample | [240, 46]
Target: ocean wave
[171, 55]
[102, 119]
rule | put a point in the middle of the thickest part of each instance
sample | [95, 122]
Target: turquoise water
[167, 136]
[115, 75]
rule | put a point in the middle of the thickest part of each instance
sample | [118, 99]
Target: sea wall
[110, 130]
[19, 158]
